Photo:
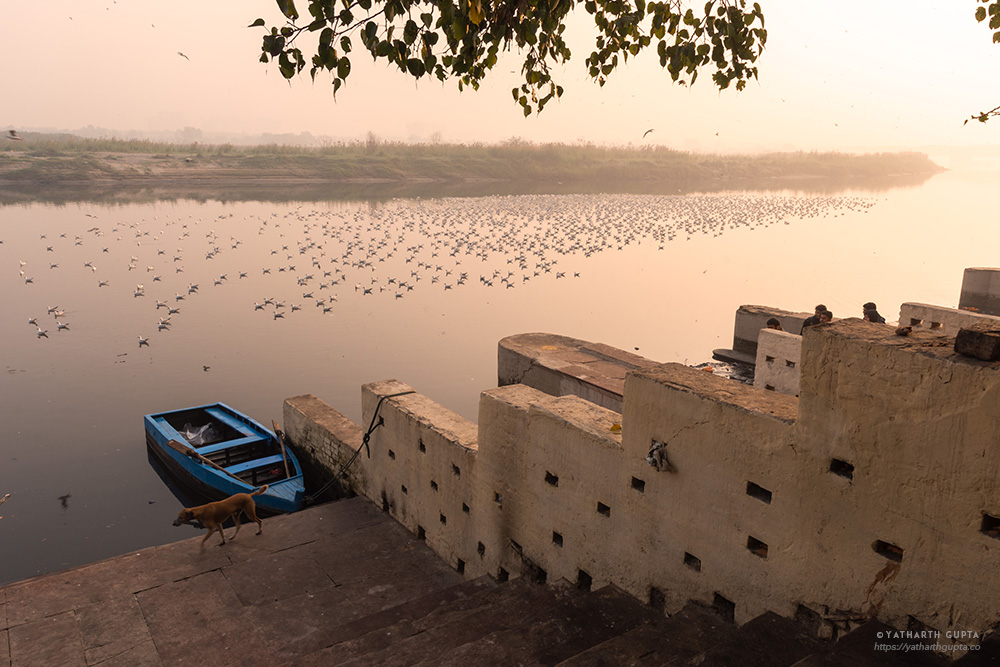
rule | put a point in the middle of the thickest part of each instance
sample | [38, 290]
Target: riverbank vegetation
[55, 158]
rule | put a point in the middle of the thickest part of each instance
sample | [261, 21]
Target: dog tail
[259, 491]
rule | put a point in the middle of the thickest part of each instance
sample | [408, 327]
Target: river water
[419, 289]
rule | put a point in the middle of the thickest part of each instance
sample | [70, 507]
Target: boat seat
[230, 420]
[228, 444]
[255, 463]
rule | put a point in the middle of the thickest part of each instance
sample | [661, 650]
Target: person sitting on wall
[871, 313]
[775, 324]
[814, 318]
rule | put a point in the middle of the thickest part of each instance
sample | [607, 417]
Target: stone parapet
[561, 366]
[873, 494]
[981, 290]
[941, 320]
[778, 357]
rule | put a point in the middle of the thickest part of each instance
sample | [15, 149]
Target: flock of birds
[311, 259]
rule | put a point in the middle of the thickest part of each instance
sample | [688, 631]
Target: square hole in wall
[516, 546]
[769, 387]
[724, 608]
[990, 526]
[603, 509]
[756, 547]
[392, 455]
[421, 446]
[657, 599]
[638, 485]
[434, 485]
[759, 492]
[443, 519]
[498, 499]
[935, 325]
[502, 575]
[550, 479]
[538, 575]
[768, 358]
[455, 470]
[692, 562]
[460, 566]
[481, 549]
[402, 487]
[842, 468]
[465, 508]
[887, 550]
[914, 322]
[557, 539]
[789, 363]
[421, 533]
[584, 581]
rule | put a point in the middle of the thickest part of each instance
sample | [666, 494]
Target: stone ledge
[723, 390]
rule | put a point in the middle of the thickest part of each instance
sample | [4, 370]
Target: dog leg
[236, 520]
[260, 524]
[205, 539]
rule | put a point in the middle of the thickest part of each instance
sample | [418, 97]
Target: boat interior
[232, 444]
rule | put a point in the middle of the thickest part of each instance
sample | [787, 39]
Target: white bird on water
[143, 341]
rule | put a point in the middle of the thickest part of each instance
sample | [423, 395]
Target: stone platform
[343, 583]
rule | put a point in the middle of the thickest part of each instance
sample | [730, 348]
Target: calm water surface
[662, 275]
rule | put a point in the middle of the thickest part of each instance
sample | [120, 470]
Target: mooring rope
[364, 444]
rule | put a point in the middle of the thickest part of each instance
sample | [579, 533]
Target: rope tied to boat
[375, 423]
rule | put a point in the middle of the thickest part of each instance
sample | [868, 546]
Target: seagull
[183, 56]
[61, 325]
[32, 320]
[42, 333]
[277, 315]
[646, 132]
[172, 311]
[13, 135]
[143, 341]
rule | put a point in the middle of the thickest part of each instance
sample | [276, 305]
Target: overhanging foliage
[462, 39]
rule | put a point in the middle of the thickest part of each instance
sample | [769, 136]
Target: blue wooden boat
[219, 451]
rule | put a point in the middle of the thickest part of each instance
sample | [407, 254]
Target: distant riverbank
[43, 162]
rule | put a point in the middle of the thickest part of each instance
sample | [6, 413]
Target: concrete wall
[939, 319]
[562, 366]
[981, 290]
[778, 356]
[873, 494]
[751, 319]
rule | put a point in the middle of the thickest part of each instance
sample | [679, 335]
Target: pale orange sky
[850, 75]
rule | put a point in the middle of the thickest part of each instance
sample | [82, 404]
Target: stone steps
[344, 584]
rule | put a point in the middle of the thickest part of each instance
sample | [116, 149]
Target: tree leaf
[258, 22]
[287, 8]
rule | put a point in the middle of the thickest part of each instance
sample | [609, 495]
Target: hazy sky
[846, 75]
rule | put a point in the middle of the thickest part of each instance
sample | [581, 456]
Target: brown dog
[213, 515]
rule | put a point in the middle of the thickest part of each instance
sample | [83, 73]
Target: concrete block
[981, 341]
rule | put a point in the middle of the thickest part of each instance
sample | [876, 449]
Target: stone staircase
[344, 584]
[517, 622]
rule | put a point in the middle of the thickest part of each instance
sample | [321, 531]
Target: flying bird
[183, 56]
[646, 132]
[13, 135]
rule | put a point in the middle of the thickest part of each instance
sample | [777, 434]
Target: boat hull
[218, 452]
